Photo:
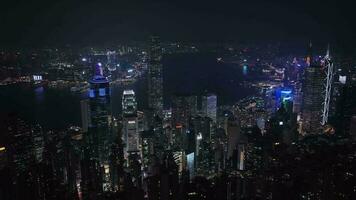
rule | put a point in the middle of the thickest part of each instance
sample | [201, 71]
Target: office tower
[233, 135]
[131, 135]
[130, 123]
[183, 107]
[129, 104]
[155, 77]
[99, 138]
[204, 154]
[99, 101]
[313, 98]
[209, 106]
[179, 159]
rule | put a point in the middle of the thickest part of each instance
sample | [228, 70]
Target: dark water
[201, 73]
[49, 107]
[192, 73]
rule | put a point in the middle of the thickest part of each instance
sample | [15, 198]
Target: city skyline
[131, 100]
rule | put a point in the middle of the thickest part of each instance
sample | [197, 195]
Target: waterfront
[194, 73]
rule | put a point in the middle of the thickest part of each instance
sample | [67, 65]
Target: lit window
[91, 93]
[102, 92]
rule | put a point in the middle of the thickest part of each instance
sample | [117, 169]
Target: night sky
[82, 22]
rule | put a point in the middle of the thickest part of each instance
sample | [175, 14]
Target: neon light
[2, 148]
[286, 91]
[287, 98]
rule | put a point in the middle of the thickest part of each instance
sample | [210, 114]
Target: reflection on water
[244, 70]
[39, 92]
[52, 108]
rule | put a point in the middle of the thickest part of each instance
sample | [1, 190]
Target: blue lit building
[99, 165]
[284, 97]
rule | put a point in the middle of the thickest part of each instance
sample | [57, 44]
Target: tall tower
[99, 139]
[209, 106]
[130, 123]
[155, 79]
[99, 101]
[313, 98]
[129, 104]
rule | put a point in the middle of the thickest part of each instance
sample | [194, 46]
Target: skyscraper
[313, 98]
[129, 104]
[209, 106]
[155, 79]
[317, 87]
[99, 138]
[130, 122]
[183, 107]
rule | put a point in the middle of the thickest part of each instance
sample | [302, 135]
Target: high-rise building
[233, 135]
[183, 107]
[99, 100]
[129, 104]
[313, 99]
[155, 77]
[99, 139]
[209, 106]
[314, 94]
[131, 135]
[130, 123]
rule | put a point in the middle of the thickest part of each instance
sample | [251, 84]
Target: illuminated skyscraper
[316, 94]
[99, 138]
[129, 104]
[313, 98]
[155, 79]
[130, 123]
[209, 106]
[99, 105]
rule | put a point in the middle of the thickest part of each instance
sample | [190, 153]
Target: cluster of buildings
[259, 148]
